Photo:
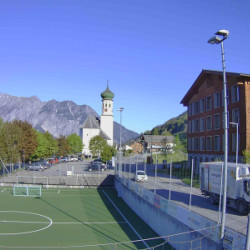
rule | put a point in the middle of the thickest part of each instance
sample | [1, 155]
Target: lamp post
[221, 35]
[120, 147]
[237, 140]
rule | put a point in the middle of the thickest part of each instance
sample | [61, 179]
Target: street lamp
[221, 35]
[237, 142]
[120, 148]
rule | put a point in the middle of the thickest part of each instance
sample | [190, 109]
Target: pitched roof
[104, 135]
[199, 80]
[157, 138]
[91, 122]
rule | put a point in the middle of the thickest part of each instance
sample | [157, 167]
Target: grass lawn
[72, 219]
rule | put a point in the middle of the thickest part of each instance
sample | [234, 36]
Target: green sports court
[72, 219]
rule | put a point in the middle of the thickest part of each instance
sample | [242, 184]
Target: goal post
[27, 190]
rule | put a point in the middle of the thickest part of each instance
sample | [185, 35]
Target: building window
[217, 100]
[209, 123]
[202, 124]
[217, 121]
[234, 142]
[189, 144]
[195, 108]
[216, 143]
[202, 105]
[235, 93]
[189, 110]
[195, 125]
[209, 143]
[195, 143]
[209, 102]
[236, 115]
[189, 127]
[202, 143]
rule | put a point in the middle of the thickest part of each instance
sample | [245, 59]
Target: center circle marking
[29, 232]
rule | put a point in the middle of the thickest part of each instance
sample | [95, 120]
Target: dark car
[97, 165]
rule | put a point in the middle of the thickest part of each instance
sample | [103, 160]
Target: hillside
[176, 126]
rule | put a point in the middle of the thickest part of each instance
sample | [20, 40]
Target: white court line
[3, 190]
[145, 243]
[50, 222]
[65, 222]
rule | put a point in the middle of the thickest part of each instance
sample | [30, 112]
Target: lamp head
[120, 109]
[214, 39]
[223, 33]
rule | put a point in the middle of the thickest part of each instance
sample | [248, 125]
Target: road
[180, 194]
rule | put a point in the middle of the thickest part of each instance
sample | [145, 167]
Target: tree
[47, 146]
[246, 156]
[96, 145]
[10, 142]
[52, 145]
[75, 143]
[28, 138]
[63, 146]
[106, 153]
[41, 150]
[165, 142]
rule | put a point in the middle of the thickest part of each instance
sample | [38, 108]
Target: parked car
[52, 160]
[45, 164]
[35, 167]
[97, 165]
[141, 176]
[97, 160]
[64, 159]
[72, 158]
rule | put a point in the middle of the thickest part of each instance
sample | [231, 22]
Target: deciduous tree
[75, 143]
[28, 138]
[63, 146]
[96, 145]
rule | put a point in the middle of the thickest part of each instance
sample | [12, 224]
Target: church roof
[91, 122]
[107, 94]
[104, 135]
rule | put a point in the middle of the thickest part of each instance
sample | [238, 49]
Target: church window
[106, 105]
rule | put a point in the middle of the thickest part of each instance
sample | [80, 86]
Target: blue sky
[150, 51]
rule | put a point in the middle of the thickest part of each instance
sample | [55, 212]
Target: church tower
[107, 119]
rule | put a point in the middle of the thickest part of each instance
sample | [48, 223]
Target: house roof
[157, 138]
[202, 76]
[91, 122]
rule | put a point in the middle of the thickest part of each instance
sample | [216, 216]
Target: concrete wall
[168, 219]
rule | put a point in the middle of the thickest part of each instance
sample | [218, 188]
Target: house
[157, 143]
[103, 127]
[204, 101]
[136, 145]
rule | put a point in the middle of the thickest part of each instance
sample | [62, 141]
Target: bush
[246, 156]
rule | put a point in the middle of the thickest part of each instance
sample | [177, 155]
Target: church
[103, 127]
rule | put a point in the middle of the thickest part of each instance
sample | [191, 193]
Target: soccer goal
[25, 190]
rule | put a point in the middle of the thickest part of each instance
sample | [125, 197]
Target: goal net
[25, 190]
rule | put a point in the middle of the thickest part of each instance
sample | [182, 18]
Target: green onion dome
[107, 94]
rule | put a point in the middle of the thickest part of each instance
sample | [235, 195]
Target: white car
[141, 176]
[73, 159]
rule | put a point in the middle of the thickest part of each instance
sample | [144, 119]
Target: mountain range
[58, 118]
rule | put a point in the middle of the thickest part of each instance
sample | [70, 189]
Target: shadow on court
[99, 232]
[134, 225]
